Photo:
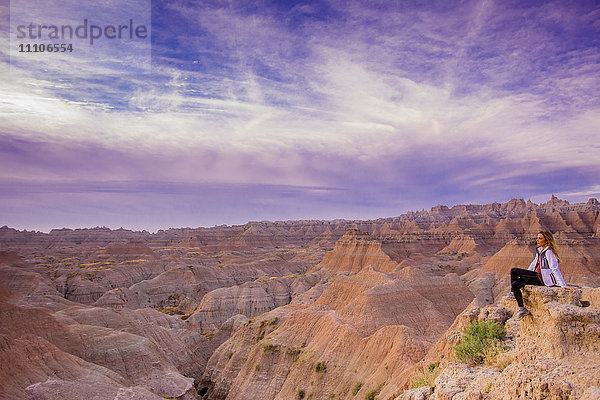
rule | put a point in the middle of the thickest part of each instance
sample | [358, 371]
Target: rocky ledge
[554, 354]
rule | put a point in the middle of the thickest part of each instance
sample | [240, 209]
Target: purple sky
[275, 110]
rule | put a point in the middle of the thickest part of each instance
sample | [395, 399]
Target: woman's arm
[553, 264]
[533, 263]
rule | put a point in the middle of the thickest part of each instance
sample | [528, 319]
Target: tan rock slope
[371, 325]
[101, 352]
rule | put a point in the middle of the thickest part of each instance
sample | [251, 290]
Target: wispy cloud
[411, 104]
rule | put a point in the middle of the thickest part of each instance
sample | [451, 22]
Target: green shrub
[427, 378]
[373, 393]
[267, 346]
[431, 367]
[321, 367]
[488, 388]
[301, 393]
[356, 388]
[477, 339]
[266, 323]
[293, 352]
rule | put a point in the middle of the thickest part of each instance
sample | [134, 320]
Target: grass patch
[488, 388]
[167, 310]
[480, 340]
[373, 393]
[356, 388]
[497, 356]
[427, 378]
[304, 356]
[139, 260]
[321, 366]
[267, 323]
[295, 353]
[267, 346]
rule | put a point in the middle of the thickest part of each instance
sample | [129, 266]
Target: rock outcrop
[249, 299]
[555, 352]
[103, 361]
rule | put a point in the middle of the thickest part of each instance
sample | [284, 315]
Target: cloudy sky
[276, 110]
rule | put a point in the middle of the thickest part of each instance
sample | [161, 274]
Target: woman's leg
[520, 277]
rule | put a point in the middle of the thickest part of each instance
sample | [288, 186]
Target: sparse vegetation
[373, 393]
[229, 355]
[356, 388]
[304, 356]
[88, 264]
[272, 321]
[321, 367]
[272, 278]
[139, 260]
[267, 346]
[497, 356]
[427, 378]
[478, 340]
[488, 388]
[167, 310]
[301, 393]
[293, 352]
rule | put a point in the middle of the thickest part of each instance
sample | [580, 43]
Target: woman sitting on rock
[543, 270]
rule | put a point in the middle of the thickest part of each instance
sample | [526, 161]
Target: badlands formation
[300, 309]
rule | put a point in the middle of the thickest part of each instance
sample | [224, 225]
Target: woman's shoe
[523, 312]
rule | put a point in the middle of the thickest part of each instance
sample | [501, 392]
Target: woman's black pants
[520, 277]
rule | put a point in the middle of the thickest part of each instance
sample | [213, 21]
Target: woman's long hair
[551, 243]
